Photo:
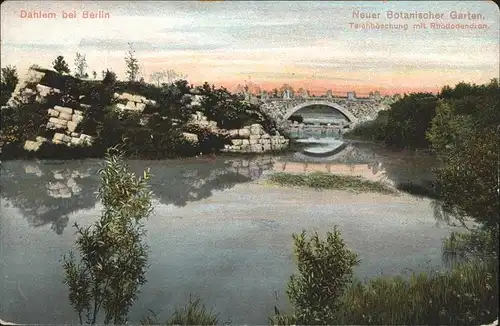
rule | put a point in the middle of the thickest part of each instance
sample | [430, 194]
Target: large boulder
[256, 129]
[244, 133]
[190, 137]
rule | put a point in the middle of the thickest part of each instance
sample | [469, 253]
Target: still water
[217, 232]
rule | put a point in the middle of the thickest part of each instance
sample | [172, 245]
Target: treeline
[406, 123]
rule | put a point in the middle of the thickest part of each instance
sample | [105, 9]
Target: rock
[46, 90]
[130, 105]
[40, 139]
[77, 112]
[63, 109]
[86, 139]
[58, 136]
[31, 145]
[72, 126]
[18, 96]
[245, 142]
[256, 129]
[77, 118]
[265, 141]
[53, 113]
[65, 116]
[140, 106]
[76, 141]
[190, 137]
[121, 106]
[244, 133]
[257, 148]
[237, 142]
[254, 137]
[266, 147]
[233, 133]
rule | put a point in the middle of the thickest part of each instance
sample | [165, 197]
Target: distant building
[351, 95]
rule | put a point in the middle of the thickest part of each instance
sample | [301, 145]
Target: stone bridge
[355, 110]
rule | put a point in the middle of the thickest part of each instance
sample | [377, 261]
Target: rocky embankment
[63, 121]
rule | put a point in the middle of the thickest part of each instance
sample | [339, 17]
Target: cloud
[380, 64]
[33, 46]
[143, 46]
[299, 76]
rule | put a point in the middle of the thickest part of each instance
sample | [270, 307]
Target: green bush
[112, 261]
[371, 130]
[467, 295]
[325, 293]
[325, 268]
[194, 313]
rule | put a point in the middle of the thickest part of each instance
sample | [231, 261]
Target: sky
[309, 44]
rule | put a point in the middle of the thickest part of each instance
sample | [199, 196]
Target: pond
[217, 231]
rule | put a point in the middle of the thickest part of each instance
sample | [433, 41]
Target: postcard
[249, 162]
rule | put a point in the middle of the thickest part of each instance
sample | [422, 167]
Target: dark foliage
[297, 118]
[9, 81]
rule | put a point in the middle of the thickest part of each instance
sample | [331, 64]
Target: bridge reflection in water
[369, 172]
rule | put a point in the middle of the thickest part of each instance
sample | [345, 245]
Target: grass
[194, 313]
[466, 295]
[323, 180]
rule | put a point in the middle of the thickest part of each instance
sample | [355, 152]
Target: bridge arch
[349, 116]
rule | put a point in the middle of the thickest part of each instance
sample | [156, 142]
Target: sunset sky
[306, 44]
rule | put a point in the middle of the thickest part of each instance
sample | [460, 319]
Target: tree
[81, 66]
[60, 65]
[325, 269]
[113, 257]
[132, 64]
[158, 77]
[409, 119]
[465, 136]
[9, 80]
[109, 77]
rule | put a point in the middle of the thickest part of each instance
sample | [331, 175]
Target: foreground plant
[112, 255]
[325, 269]
[194, 313]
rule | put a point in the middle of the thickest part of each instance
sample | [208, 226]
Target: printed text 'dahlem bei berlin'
[40, 14]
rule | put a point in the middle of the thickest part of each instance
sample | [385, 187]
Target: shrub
[194, 313]
[113, 257]
[467, 295]
[325, 268]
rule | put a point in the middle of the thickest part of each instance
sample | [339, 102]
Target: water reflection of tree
[27, 186]
[47, 193]
[412, 173]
